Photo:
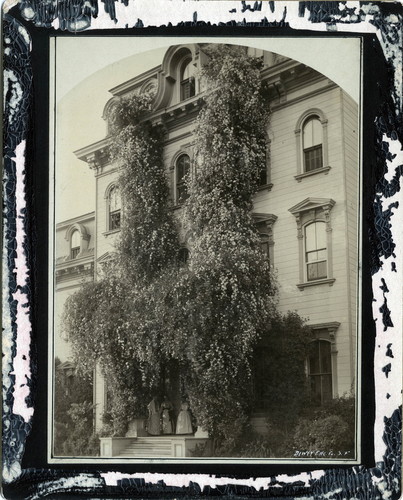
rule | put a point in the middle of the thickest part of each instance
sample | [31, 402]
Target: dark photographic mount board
[27, 27]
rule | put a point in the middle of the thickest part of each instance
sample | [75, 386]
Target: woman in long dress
[166, 407]
[154, 425]
[184, 422]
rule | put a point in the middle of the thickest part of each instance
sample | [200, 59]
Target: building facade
[306, 209]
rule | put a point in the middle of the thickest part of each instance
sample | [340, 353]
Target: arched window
[75, 244]
[182, 168]
[114, 209]
[315, 251]
[312, 140]
[183, 256]
[320, 370]
[314, 235]
[187, 80]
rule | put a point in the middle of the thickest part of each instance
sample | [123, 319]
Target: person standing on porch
[167, 424]
[154, 425]
[184, 422]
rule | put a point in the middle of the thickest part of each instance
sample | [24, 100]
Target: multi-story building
[306, 208]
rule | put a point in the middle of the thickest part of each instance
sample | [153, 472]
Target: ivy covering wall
[206, 318]
[231, 289]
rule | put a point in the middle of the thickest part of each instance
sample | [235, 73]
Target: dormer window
[187, 80]
[75, 244]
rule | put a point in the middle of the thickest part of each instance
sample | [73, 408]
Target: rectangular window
[265, 248]
[315, 251]
[263, 176]
[313, 158]
[114, 220]
[320, 371]
[187, 89]
[74, 252]
[264, 245]
[182, 192]
[316, 270]
[182, 171]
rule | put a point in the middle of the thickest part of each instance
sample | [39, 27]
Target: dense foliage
[148, 242]
[287, 393]
[329, 429]
[315, 432]
[231, 290]
[205, 319]
[73, 414]
[114, 321]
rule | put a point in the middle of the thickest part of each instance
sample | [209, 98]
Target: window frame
[308, 211]
[75, 251]
[183, 250]
[187, 61]
[264, 223]
[327, 332]
[317, 261]
[299, 136]
[183, 151]
[108, 223]
[264, 183]
[320, 374]
[84, 239]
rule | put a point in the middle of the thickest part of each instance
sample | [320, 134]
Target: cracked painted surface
[382, 481]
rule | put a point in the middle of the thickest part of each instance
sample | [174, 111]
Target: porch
[150, 446]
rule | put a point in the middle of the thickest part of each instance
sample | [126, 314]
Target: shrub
[107, 425]
[327, 435]
[81, 440]
[73, 415]
[329, 429]
[284, 382]
[257, 447]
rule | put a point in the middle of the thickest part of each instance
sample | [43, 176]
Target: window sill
[265, 187]
[327, 281]
[111, 231]
[323, 170]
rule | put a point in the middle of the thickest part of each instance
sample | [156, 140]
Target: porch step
[150, 447]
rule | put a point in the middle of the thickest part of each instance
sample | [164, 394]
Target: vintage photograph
[206, 251]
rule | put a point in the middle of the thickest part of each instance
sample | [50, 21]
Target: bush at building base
[73, 415]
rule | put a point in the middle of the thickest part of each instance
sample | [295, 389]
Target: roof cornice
[126, 87]
[81, 218]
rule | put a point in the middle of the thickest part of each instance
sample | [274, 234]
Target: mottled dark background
[27, 474]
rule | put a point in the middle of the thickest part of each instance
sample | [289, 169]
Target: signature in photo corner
[321, 453]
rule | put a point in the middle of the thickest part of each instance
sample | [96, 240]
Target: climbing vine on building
[144, 312]
[148, 242]
[231, 288]
[114, 321]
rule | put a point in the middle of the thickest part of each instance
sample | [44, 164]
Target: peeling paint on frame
[384, 21]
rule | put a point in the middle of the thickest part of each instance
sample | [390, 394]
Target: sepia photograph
[205, 255]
